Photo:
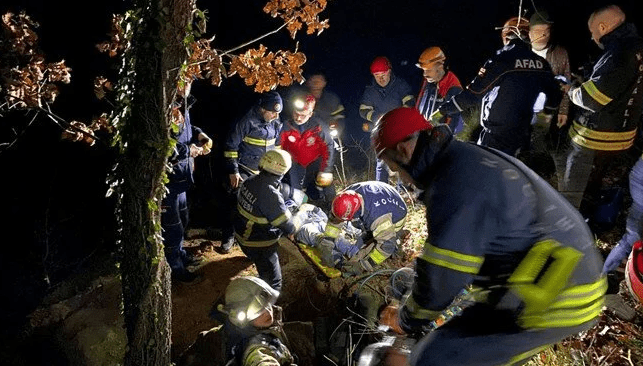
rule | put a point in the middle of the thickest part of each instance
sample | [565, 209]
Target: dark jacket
[329, 108]
[377, 100]
[262, 216]
[182, 164]
[249, 139]
[487, 213]
[508, 85]
[611, 99]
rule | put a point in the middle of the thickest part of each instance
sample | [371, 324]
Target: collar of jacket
[625, 30]
[429, 146]
[379, 87]
[270, 179]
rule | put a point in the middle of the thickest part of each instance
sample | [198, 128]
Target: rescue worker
[378, 210]
[252, 330]
[262, 216]
[609, 103]
[385, 92]
[308, 140]
[328, 106]
[255, 134]
[495, 227]
[191, 142]
[508, 85]
[438, 86]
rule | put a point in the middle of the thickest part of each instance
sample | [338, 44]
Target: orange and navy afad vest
[611, 100]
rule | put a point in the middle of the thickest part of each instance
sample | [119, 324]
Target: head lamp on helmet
[271, 101]
[246, 298]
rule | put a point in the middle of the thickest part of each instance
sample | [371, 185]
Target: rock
[617, 305]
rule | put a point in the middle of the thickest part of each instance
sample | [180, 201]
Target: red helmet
[397, 125]
[380, 64]
[634, 271]
[346, 204]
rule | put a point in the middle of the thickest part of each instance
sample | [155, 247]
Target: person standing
[191, 142]
[252, 136]
[508, 86]
[499, 236]
[328, 106]
[385, 93]
[609, 103]
[438, 86]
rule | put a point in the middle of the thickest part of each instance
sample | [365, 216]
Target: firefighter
[191, 142]
[609, 105]
[250, 138]
[252, 332]
[378, 210]
[497, 229]
[385, 92]
[262, 216]
[439, 85]
[308, 141]
[508, 85]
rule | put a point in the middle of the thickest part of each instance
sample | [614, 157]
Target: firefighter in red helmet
[525, 256]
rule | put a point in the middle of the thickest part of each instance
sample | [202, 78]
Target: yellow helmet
[277, 162]
[246, 298]
[430, 57]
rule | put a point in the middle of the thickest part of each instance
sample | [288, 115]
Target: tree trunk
[151, 69]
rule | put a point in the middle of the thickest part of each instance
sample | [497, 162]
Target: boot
[226, 246]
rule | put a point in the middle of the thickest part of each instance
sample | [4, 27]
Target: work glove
[345, 247]
[324, 179]
[616, 256]
[325, 247]
[206, 143]
[195, 151]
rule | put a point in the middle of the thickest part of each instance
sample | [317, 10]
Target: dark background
[56, 214]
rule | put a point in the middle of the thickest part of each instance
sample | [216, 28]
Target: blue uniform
[174, 209]
[508, 85]
[260, 220]
[496, 225]
[378, 100]
[382, 216]
[249, 140]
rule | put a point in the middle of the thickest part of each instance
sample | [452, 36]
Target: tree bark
[153, 65]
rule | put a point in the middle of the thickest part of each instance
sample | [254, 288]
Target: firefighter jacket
[249, 140]
[611, 99]
[262, 216]
[377, 100]
[382, 215]
[433, 95]
[508, 85]
[308, 142]
[329, 108]
[496, 225]
[182, 164]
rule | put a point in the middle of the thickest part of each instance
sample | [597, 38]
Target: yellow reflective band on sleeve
[332, 231]
[251, 217]
[563, 317]
[281, 219]
[581, 295]
[453, 260]
[231, 154]
[400, 224]
[384, 230]
[406, 99]
[259, 142]
[603, 141]
[377, 256]
[596, 94]
[259, 355]
[418, 312]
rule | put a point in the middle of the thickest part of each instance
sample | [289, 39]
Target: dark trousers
[509, 142]
[304, 178]
[230, 207]
[267, 261]
[174, 220]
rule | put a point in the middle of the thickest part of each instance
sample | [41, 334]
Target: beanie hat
[397, 125]
[540, 17]
[271, 101]
[380, 64]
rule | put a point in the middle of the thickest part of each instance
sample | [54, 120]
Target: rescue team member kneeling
[495, 225]
[262, 216]
[378, 210]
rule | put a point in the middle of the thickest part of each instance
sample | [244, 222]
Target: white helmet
[246, 298]
[276, 161]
